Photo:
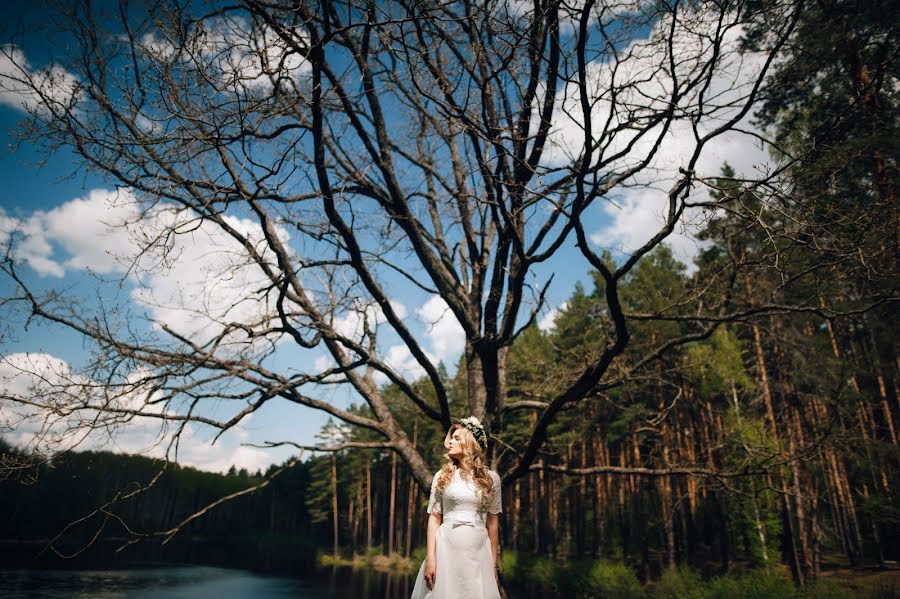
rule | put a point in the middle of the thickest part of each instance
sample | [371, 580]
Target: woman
[463, 526]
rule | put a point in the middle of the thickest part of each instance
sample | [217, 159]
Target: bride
[463, 526]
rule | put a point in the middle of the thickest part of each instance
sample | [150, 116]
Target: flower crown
[477, 429]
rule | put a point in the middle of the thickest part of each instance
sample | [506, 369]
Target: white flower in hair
[477, 429]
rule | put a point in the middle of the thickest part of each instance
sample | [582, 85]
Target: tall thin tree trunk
[350, 526]
[515, 515]
[580, 511]
[535, 512]
[368, 505]
[543, 498]
[411, 503]
[391, 524]
[599, 499]
[665, 499]
[790, 545]
[334, 501]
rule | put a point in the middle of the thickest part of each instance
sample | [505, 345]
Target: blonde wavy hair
[472, 461]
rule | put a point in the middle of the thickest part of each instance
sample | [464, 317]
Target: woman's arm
[434, 523]
[493, 529]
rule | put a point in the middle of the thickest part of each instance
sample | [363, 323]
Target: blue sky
[62, 212]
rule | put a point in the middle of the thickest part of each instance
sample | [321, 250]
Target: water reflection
[363, 582]
[188, 581]
[201, 582]
[209, 582]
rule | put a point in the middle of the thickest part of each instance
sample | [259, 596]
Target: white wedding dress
[463, 559]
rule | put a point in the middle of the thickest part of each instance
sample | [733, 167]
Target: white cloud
[352, 323]
[323, 363]
[34, 248]
[38, 396]
[209, 280]
[91, 232]
[188, 272]
[444, 332]
[549, 319]
[54, 424]
[252, 459]
[252, 57]
[8, 224]
[25, 88]
[638, 217]
[242, 56]
[644, 88]
[400, 359]
[156, 47]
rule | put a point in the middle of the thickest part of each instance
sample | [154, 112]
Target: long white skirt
[464, 566]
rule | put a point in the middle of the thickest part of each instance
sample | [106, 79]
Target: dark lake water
[201, 582]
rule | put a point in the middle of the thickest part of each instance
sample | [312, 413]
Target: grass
[590, 579]
[372, 559]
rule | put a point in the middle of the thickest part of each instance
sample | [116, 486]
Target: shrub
[757, 584]
[510, 564]
[371, 554]
[543, 570]
[680, 583]
[418, 555]
[577, 577]
[614, 579]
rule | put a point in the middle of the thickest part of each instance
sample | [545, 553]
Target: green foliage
[511, 564]
[542, 570]
[614, 579]
[318, 495]
[371, 554]
[419, 554]
[685, 583]
[680, 583]
[716, 366]
[764, 583]
[747, 437]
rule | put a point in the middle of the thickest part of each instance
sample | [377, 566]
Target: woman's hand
[430, 572]
[497, 573]
[434, 526]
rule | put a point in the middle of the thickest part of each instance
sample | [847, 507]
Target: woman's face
[455, 450]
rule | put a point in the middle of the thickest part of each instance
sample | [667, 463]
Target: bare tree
[342, 145]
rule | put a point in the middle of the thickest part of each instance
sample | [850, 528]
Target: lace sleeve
[434, 500]
[496, 504]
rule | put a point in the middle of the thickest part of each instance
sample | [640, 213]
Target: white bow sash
[465, 520]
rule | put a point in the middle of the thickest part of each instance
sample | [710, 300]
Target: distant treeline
[63, 499]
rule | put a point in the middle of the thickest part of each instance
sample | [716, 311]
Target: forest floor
[864, 580]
